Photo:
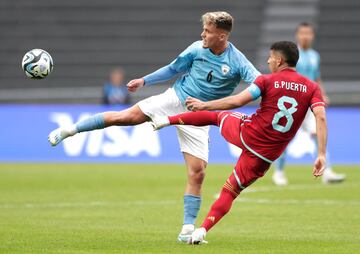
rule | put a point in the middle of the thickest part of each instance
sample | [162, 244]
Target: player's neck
[304, 47]
[285, 67]
[219, 50]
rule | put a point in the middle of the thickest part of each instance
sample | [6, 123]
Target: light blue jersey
[206, 76]
[309, 64]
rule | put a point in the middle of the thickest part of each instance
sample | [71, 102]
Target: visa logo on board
[110, 142]
[131, 141]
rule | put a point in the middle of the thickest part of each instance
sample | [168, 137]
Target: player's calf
[91, 123]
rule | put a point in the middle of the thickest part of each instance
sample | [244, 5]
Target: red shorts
[249, 167]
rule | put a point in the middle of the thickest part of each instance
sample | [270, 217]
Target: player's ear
[223, 37]
[279, 60]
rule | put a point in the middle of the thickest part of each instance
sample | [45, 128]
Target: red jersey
[286, 97]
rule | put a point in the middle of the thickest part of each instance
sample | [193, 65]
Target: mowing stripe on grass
[299, 201]
[297, 187]
[89, 204]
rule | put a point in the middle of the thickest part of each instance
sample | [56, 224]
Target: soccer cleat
[159, 122]
[330, 176]
[58, 135]
[185, 233]
[197, 237]
[279, 178]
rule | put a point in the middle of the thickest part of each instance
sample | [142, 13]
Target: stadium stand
[87, 38]
[279, 21]
[339, 44]
[338, 40]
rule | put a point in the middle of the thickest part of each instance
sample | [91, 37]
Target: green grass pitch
[103, 208]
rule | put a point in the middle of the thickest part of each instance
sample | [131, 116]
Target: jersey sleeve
[184, 61]
[163, 74]
[317, 99]
[260, 83]
[247, 71]
[254, 91]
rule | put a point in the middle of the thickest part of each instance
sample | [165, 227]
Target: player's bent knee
[197, 175]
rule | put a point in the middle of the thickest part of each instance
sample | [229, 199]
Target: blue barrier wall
[24, 130]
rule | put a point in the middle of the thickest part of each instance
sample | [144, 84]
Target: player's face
[305, 36]
[212, 37]
[116, 77]
[274, 61]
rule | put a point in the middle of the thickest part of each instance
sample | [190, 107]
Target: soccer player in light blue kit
[309, 66]
[211, 69]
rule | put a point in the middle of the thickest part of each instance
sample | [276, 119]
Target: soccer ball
[37, 64]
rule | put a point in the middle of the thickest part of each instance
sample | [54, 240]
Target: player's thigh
[230, 126]
[249, 168]
[194, 140]
[166, 103]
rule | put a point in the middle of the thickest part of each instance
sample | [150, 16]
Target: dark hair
[305, 24]
[224, 23]
[289, 50]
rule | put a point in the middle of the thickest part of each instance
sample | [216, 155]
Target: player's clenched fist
[135, 84]
[193, 104]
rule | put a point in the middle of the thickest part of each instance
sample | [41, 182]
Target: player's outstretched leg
[219, 208]
[92, 123]
[199, 118]
[131, 116]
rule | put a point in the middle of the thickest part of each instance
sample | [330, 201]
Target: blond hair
[220, 19]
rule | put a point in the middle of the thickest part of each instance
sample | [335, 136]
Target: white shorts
[192, 139]
[309, 124]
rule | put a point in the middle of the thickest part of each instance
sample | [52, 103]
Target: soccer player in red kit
[263, 136]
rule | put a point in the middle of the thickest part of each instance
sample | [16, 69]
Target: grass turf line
[102, 208]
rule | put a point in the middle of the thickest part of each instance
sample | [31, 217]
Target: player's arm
[247, 71]
[163, 74]
[321, 133]
[181, 64]
[230, 102]
[323, 92]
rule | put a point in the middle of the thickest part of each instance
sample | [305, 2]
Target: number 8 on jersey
[284, 112]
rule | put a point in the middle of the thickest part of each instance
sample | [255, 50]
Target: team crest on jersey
[225, 69]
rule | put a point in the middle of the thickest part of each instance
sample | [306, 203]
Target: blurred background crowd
[89, 39]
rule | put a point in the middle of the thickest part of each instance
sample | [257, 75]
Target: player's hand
[193, 104]
[319, 166]
[135, 84]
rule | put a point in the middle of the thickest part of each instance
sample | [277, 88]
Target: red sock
[223, 204]
[199, 118]
[220, 207]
